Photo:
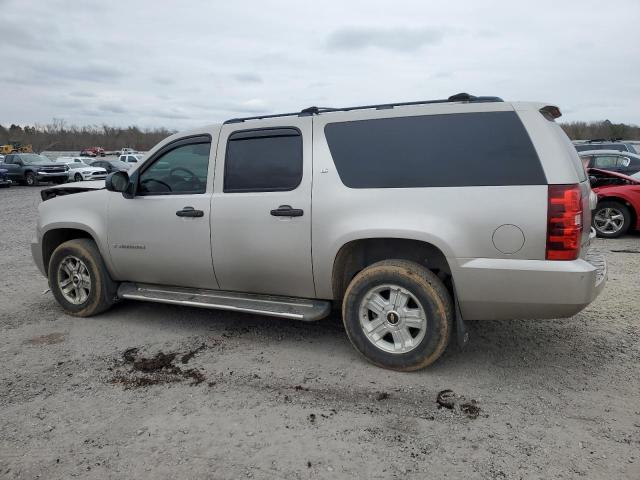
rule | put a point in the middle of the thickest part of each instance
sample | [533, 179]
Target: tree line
[604, 129]
[59, 136]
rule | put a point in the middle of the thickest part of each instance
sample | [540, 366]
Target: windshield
[75, 165]
[120, 164]
[636, 175]
[32, 159]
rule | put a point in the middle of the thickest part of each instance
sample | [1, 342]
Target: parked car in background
[484, 216]
[131, 158]
[618, 208]
[31, 169]
[128, 151]
[612, 160]
[601, 144]
[5, 181]
[79, 171]
[111, 165]
[93, 152]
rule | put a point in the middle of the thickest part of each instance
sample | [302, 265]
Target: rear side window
[486, 148]
[266, 160]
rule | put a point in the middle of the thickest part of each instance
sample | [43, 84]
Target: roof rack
[459, 97]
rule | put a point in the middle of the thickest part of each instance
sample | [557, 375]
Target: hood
[71, 188]
[613, 174]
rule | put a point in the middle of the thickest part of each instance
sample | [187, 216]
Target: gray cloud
[155, 66]
[112, 107]
[82, 94]
[248, 77]
[163, 80]
[395, 39]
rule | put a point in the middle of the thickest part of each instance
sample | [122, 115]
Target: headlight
[86, 173]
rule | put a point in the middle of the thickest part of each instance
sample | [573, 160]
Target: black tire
[30, 179]
[599, 211]
[102, 294]
[77, 177]
[432, 296]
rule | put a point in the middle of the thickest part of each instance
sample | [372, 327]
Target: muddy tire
[398, 315]
[30, 179]
[79, 279]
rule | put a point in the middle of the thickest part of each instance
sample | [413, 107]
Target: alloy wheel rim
[392, 318]
[608, 220]
[74, 280]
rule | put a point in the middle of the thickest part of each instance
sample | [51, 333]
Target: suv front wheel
[79, 279]
[398, 315]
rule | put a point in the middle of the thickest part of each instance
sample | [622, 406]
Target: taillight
[564, 222]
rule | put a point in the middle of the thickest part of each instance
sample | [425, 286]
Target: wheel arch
[356, 255]
[55, 237]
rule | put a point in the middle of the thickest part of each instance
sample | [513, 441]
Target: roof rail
[459, 97]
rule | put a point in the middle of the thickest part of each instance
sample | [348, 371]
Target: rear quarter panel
[460, 221]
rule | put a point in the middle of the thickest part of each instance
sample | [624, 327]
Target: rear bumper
[496, 289]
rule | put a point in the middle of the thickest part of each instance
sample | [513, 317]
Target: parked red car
[618, 208]
[92, 152]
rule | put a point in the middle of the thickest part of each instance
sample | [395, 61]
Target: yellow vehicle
[15, 147]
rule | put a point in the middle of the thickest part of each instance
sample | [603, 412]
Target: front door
[261, 208]
[162, 234]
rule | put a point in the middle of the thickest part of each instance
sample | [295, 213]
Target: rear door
[261, 207]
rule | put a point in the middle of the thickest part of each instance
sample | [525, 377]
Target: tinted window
[268, 160]
[181, 170]
[490, 148]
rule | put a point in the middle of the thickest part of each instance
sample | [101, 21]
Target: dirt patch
[50, 339]
[189, 355]
[449, 399]
[158, 369]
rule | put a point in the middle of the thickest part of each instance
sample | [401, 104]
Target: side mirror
[117, 181]
[19, 162]
[593, 180]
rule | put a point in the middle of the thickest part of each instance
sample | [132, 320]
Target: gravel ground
[153, 391]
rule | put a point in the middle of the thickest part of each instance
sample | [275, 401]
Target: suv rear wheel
[398, 315]
[611, 219]
[79, 279]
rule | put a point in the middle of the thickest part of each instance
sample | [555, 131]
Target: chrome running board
[287, 307]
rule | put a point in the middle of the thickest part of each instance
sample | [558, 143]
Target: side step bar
[287, 307]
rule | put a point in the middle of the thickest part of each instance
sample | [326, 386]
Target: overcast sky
[187, 63]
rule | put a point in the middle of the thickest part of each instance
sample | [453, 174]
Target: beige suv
[411, 218]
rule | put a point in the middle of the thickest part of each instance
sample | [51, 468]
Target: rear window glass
[486, 148]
